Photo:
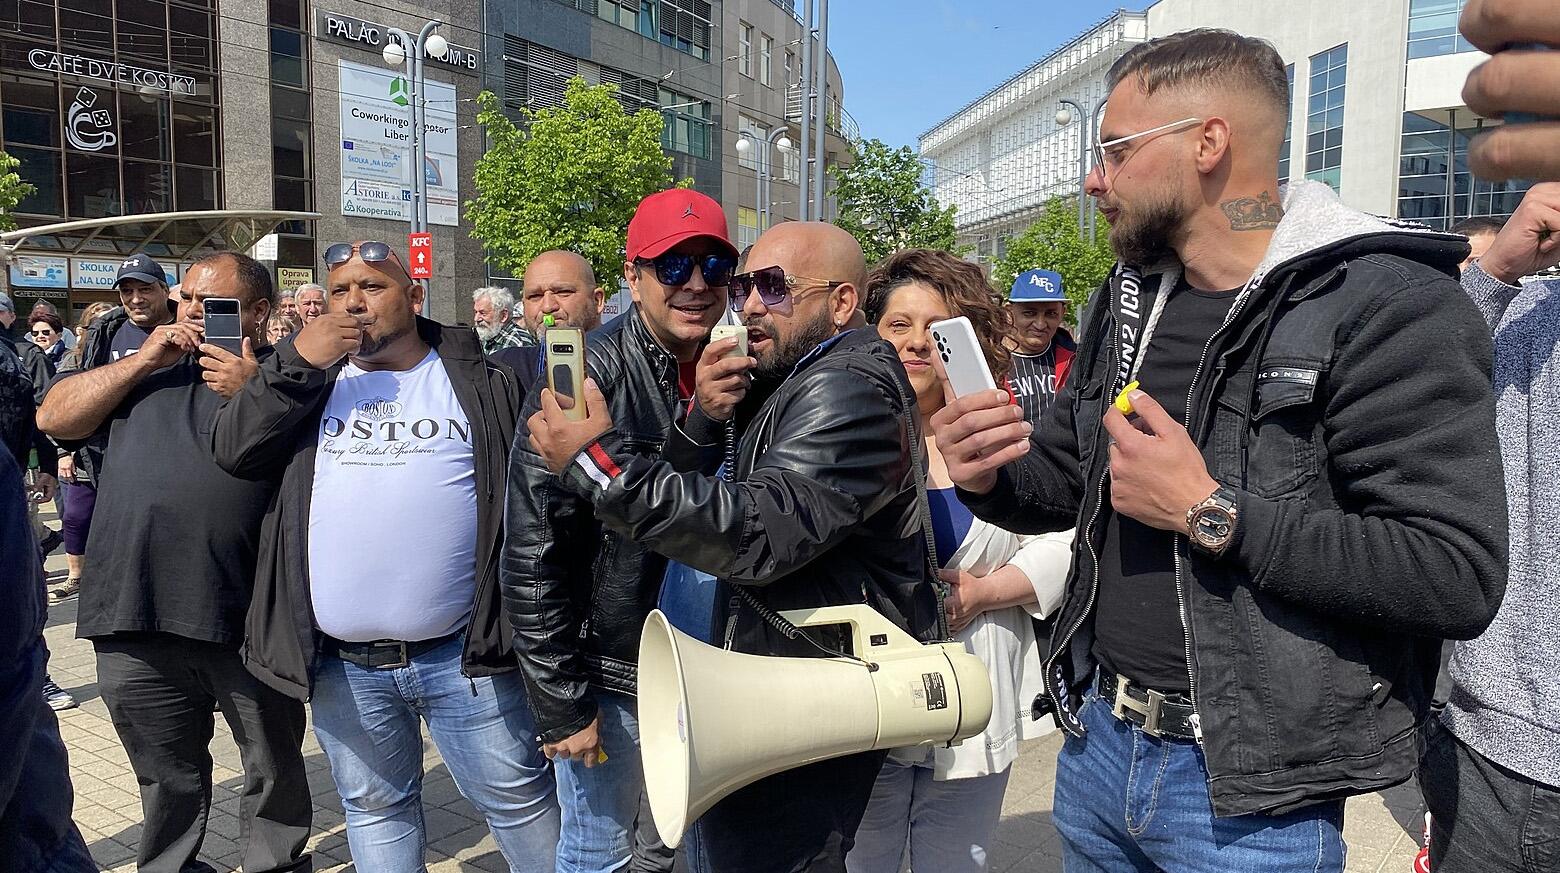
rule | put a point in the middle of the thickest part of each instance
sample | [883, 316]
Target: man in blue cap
[1045, 349]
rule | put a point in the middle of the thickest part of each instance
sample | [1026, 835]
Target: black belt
[1158, 714]
[383, 654]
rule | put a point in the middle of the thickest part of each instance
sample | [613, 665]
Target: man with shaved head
[820, 510]
[1304, 502]
[560, 291]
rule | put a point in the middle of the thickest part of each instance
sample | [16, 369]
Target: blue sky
[908, 65]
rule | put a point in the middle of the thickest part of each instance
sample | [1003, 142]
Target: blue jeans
[600, 803]
[367, 723]
[1127, 802]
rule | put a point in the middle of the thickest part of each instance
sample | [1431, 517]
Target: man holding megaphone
[821, 510]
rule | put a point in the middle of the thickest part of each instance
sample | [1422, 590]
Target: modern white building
[1002, 156]
[1376, 112]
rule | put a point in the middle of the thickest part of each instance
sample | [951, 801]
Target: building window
[292, 128]
[1432, 28]
[680, 24]
[1289, 130]
[766, 50]
[747, 227]
[745, 49]
[687, 124]
[1434, 184]
[1324, 116]
[758, 134]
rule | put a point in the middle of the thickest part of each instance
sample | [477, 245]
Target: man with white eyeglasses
[1277, 444]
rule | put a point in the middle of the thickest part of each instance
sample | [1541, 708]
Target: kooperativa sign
[108, 71]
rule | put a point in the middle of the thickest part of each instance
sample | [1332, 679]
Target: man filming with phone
[377, 592]
[821, 509]
[1297, 510]
[173, 548]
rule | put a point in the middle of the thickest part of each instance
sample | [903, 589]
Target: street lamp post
[404, 50]
[1064, 117]
[777, 139]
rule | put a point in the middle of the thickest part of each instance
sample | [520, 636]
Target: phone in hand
[958, 355]
[564, 349]
[728, 331]
[222, 324]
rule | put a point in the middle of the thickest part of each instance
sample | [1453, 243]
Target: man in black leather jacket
[821, 510]
[577, 595]
[1309, 499]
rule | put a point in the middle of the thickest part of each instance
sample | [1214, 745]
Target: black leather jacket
[577, 595]
[823, 509]
[1347, 404]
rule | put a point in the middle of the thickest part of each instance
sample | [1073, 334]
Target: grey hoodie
[1505, 699]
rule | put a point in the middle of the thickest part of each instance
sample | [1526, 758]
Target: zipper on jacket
[1094, 590]
[731, 621]
[1175, 545]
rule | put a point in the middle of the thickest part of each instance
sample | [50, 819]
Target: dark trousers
[1485, 818]
[797, 821]
[160, 690]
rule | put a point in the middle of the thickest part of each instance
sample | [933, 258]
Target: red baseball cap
[666, 218]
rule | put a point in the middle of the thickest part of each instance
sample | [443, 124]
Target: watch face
[1212, 526]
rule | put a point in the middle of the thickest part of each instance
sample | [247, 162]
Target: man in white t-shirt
[377, 588]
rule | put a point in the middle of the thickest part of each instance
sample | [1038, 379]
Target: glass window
[1324, 117]
[189, 37]
[1434, 184]
[194, 134]
[289, 13]
[148, 187]
[31, 111]
[791, 76]
[87, 26]
[745, 49]
[194, 189]
[144, 126]
[290, 148]
[42, 169]
[647, 16]
[1289, 131]
[143, 30]
[766, 50]
[1432, 28]
[287, 103]
[92, 182]
[27, 19]
[288, 64]
[294, 194]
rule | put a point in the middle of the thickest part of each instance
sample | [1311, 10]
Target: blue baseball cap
[140, 266]
[1037, 286]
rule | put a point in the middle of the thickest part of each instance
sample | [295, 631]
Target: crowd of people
[1219, 534]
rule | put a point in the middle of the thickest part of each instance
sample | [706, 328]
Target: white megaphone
[712, 721]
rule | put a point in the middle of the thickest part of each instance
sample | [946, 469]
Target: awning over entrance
[173, 236]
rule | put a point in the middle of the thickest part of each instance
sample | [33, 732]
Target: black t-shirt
[1137, 621]
[174, 537]
[127, 341]
[1034, 382]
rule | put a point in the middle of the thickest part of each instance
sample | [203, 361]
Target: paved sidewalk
[1381, 830]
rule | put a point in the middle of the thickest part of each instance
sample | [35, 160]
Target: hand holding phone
[564, 351]
[959, 358]
[223, 326]
[722, 376]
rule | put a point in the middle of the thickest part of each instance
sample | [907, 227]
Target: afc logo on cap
[1041, 282]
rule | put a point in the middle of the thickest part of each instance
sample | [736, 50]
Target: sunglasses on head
[773, 286]
[372, 252]
[675, 269]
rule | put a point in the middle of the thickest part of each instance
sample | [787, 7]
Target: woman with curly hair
[939, 807]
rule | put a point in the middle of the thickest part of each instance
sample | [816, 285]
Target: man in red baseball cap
[561, 567]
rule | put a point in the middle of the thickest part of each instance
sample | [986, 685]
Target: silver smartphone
[223, 326]
[728, 331]
[564, 348]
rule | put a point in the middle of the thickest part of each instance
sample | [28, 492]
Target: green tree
[566, 177]
[884, 205]
[1053, 243]
[12, 190]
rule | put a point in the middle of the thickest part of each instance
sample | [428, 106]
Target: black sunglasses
[372, 252]
[772, 285]
[41, 332]
[675, 269]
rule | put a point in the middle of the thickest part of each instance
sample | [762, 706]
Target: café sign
[373, 37]
[108, 71]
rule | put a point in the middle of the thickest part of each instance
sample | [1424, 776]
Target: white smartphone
[565, 352]
[960, 357]
[727, 331]
[222, 324]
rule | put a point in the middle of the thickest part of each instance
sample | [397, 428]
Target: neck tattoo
[1253, 213]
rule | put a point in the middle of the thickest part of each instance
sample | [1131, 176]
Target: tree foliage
[12, 190]
[1053, 243]
[884, 205]
[567, 177]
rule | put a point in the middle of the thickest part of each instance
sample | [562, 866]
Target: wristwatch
[1212, 522]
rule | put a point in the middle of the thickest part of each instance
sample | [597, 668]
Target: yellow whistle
[1123, 400]
[601, 756]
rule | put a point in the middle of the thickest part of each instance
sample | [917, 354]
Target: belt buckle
[400, 647]
[1150, 711]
